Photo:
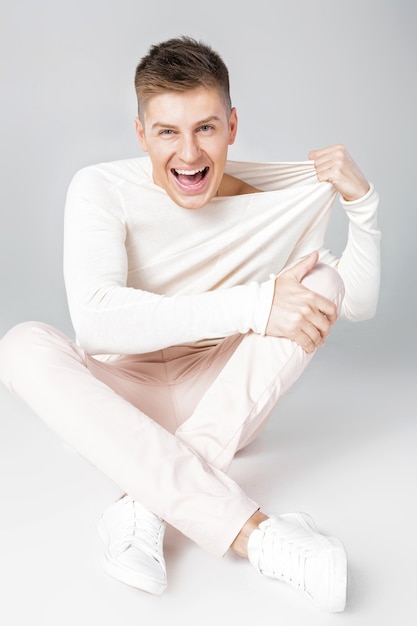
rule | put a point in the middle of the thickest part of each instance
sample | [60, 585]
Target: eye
[166, 132]
[206, 128]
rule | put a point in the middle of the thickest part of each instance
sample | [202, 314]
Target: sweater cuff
[363, 212]
[264, 304]
[359, 201]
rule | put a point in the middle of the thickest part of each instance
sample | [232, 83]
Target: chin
[192, 202]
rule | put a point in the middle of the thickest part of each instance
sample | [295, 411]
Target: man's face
[187, 137]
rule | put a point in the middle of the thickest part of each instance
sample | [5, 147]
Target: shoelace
[140, 532]
[286, 559]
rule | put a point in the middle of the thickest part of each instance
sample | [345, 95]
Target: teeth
[190, 172]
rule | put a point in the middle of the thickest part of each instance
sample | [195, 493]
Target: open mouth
[189, 178]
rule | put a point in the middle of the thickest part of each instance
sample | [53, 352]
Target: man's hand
[334, 165]
[299, 313]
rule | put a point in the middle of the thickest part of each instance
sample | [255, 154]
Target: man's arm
[359, 264]
[111, 318]
[334, 165]
[297, 312]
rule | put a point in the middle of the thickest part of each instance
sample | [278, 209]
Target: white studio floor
[341, 446]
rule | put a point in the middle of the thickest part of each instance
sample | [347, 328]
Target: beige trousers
[165, 425]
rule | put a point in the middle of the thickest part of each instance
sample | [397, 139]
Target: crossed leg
[180, 476]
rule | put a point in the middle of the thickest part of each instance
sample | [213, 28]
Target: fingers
[329, 162]
[300, 314]
[311, 340]
[334, 165]
[316, 155]
[327, 309]
[303, 267]
[309, 337]
[313, 327]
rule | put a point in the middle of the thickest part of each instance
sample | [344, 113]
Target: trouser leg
[49, 372]
[258, 374]
[166, 473]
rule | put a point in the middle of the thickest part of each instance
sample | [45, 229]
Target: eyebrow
[212, 118]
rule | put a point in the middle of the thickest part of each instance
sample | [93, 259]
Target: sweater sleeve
[359, 264]
[111, 318]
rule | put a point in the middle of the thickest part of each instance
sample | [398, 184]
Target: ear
[232, 126]
[140, 131]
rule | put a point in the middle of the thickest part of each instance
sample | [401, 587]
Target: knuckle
[298, 318]
[306, 308]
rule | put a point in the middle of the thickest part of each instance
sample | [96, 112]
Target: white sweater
[143, 273]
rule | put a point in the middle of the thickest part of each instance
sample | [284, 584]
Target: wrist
[361, 198]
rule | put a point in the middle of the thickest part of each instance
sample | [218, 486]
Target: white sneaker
[133, 537]
[288, 547]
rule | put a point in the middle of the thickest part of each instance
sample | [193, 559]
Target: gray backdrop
[303, 74]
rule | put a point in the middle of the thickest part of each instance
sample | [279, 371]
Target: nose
[188, 148]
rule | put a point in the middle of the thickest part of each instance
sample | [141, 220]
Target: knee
[327, 282]
[18, 347]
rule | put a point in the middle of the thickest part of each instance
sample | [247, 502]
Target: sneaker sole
[129, 577]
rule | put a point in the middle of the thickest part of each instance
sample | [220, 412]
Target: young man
[199, 290]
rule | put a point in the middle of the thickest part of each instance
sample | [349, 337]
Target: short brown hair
[180, 64]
